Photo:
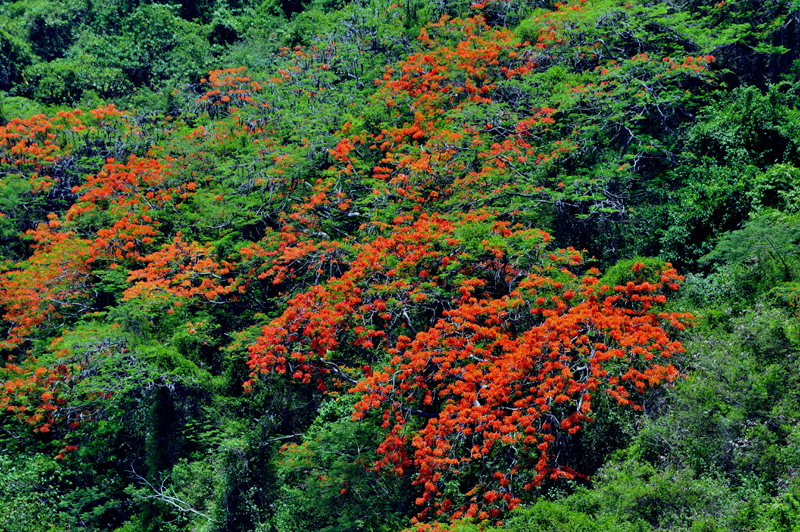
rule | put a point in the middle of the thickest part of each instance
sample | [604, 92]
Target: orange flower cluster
[490, 337]
[31, 148]
[229, 88]
[52, 283]
[516, 371]
[123, 195]
[29, 398]
[180, 269]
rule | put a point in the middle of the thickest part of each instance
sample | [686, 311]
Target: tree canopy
[398, 266]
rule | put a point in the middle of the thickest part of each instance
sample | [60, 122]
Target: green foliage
[546, 516]
[51, 27]
[306, 27]
[155, 44]
[777, 188]
[739, 156]
[634, 496]
[225, 27]
[16, 54]
[734, 414]
[651, 499]
[698, 202]
[647, 157]
[67, 81]
[768, 243]
[635, 270]
[31, 492]
[327, 481]
[750, 128]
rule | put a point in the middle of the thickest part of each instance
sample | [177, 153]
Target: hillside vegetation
[357, 266]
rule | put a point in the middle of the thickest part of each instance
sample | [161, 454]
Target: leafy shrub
[778, 188]
[16, 55]
[768, 243]
[635, 270]
[29, 496]
[748, 128]
[556, 516]
[64, 81]
[51, 29]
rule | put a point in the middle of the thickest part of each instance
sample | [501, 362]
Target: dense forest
[366, 265]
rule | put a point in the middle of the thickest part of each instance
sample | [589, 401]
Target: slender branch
[336, 369]
[165, 494]
[279, 438]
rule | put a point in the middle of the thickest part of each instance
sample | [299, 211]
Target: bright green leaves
[749, 128]
[328, 479]
[29, 499]
[769, 241]
[17, 54]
